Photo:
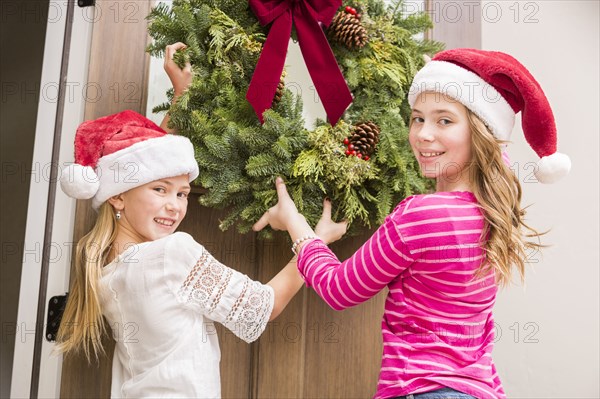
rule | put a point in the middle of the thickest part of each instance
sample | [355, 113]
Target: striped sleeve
[345, 284]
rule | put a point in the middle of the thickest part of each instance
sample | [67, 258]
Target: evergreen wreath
[239, 158]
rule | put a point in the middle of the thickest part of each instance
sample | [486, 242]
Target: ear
[117, 202]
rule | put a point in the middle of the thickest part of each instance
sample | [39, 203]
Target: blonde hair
[82, 325]
[498, 192]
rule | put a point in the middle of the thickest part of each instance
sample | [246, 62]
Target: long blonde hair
[498, 192]
[82, 325]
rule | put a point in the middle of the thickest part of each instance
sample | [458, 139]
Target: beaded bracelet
[301, 240]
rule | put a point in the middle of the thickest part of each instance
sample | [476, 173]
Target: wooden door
[309, 350]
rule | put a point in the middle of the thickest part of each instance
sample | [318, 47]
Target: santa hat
[495, 86]
[116, 153]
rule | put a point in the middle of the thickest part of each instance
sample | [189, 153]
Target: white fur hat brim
[470, 90]
[134, 166]
[142, 163]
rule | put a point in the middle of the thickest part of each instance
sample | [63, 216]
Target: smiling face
[440, 137]
[152, 211]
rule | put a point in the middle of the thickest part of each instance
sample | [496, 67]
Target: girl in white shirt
[159, 290]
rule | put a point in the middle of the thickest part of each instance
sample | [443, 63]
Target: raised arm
[180, 78]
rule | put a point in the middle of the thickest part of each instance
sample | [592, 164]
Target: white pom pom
[79, 181]
[552, 168]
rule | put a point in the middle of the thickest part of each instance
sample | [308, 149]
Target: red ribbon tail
[322, 65]
[270, 65]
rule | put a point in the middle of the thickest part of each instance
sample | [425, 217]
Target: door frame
[48, 244]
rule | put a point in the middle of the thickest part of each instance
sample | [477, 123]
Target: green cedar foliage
[239, 158]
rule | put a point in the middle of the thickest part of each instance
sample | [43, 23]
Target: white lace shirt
[160, 299]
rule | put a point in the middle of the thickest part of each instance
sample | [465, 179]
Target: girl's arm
[227, 296]
[285, 285]
[342, 284]
[180, 78]
[377, 262]
[288, 281]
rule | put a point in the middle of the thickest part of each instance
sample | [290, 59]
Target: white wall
[556, 354]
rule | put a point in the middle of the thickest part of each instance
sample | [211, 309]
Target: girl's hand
[180, 78]
[327, 229]
[281, 216]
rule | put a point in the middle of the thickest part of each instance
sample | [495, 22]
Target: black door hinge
[56, 307]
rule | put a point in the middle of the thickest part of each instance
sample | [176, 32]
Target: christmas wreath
[363, 163]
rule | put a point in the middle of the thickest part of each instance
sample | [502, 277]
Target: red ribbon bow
[320, 61]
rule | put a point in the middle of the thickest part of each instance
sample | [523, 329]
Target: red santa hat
[116, 153]
[495, 86]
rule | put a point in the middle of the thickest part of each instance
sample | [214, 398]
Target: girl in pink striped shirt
[442, 256]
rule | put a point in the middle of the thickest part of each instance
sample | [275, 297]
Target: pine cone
[280, 89]
[347, 29]
[365, 137]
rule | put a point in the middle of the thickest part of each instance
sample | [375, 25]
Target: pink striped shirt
[438, 329]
